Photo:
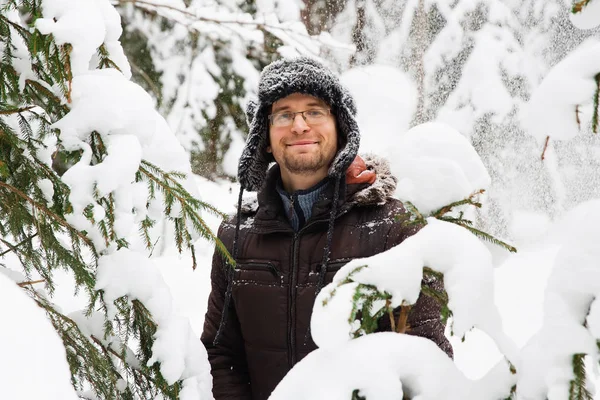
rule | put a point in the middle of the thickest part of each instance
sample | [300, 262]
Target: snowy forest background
[475, 65]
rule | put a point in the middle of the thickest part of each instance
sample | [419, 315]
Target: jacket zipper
[293, 281]
[292, 315]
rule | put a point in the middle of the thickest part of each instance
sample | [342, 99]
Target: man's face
[303, 149]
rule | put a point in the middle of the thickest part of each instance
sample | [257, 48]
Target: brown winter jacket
[274, 286]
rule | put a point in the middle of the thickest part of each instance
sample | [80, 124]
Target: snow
[47, 189]
[385, 366]
[86, 25]
[528, 227]
[386, 100]
[21, 59]
[442, 246]
[480, 88]
[572, 287]
[435, 166]
[178, 350]
[34, 363]
[131, 129]
[560, 107]
[232, 156]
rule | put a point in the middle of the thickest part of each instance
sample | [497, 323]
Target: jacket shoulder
[227, 227]
[381, 191]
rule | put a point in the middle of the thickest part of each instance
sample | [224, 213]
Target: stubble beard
[307, 164]
[300, 164]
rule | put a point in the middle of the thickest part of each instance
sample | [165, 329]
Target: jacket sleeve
[424, 318]
[228, 358]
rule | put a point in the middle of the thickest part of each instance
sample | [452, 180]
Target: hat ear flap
[253, 164]
[348, 129]
[251, 111]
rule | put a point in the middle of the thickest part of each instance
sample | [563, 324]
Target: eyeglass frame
[295, 113]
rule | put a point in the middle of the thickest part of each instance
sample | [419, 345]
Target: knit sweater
[298, 205]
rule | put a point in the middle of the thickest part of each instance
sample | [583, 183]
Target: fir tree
[36, 79]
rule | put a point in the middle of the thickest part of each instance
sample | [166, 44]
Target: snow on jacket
[274, 284]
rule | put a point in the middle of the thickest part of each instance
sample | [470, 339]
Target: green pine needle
[488, 238]
[577, 386]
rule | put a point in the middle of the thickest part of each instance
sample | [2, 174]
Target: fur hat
[278, 80]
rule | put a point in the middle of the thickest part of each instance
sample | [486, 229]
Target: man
[319, 206]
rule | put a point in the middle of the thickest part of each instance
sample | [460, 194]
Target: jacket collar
[268, 209]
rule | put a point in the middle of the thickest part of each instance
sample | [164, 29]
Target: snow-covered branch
[96, 182]
[293, 34]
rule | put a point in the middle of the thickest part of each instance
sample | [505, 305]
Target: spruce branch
[489, 238]
[92, 365]
[14, 247]
[469, 200]
[512, 394]
[356, 395]
[578, 6]
[105, 61]
[173, 190]
[38, 89]
[28, 283]
[440, 297]
[66, 48]
[8, 111]
[27, 213]
[432, 273]
[414, 211]
[16, 26]
[49, 213]
[577, 386]
[170, 177]
[458, 220]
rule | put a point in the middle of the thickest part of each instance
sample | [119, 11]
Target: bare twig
[28, 283]
[151, 7]
[469, 200]
[14, 247]
[196, 17]
[46, 211]
[16, 110]
[147, 79]
[402, 325]
[579, 5]
[390, 314]
[67, 48]
[545, 147]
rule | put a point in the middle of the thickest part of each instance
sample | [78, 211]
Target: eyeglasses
[314, 116]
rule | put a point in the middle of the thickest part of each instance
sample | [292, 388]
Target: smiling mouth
[306, 143]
